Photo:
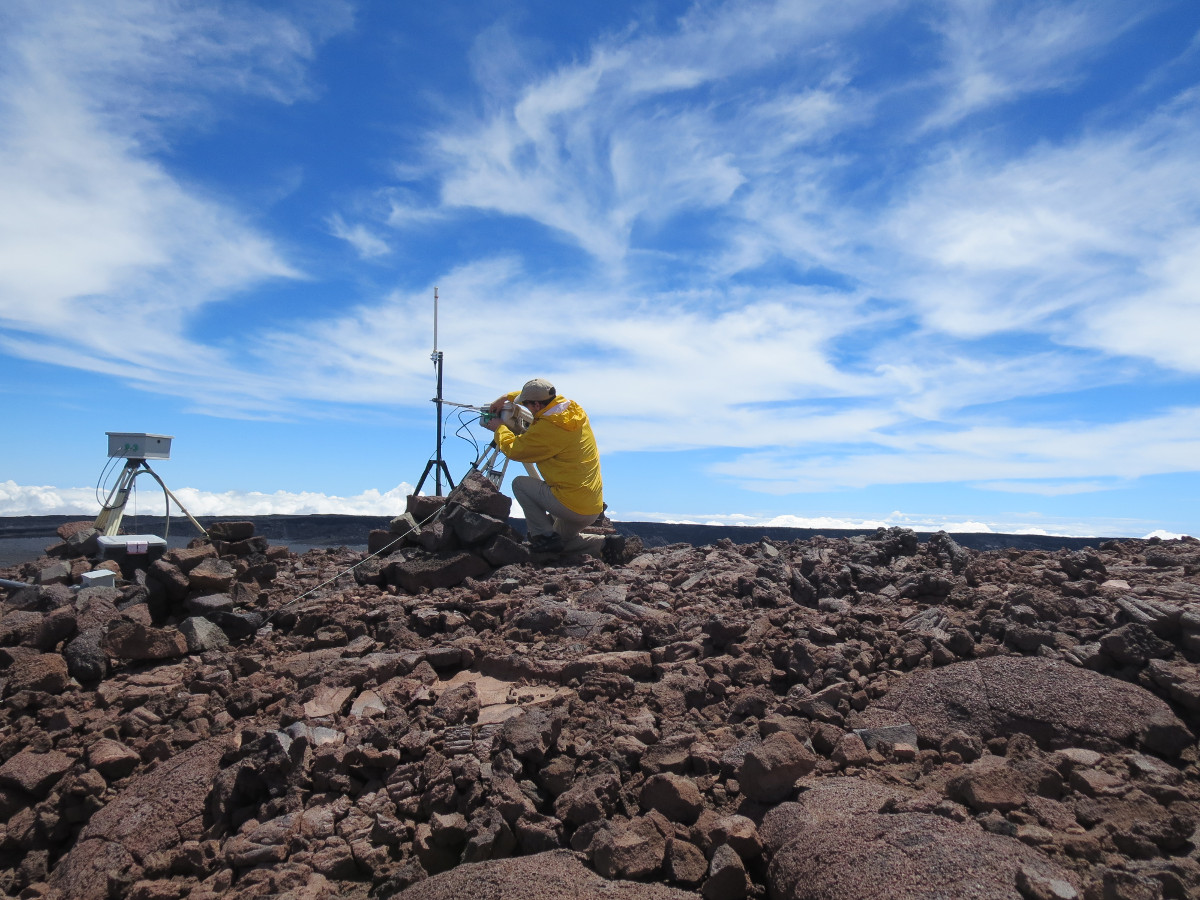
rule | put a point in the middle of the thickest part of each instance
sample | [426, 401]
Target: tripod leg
[109, 521]
[428, 468]
[167, 491]
[496, 476]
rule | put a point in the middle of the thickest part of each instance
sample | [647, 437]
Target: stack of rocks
[189, 600]
[440, 542]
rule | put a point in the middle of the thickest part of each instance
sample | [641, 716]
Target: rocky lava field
[826, 719]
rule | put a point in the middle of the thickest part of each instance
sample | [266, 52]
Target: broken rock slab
[134, 641]
[154, 812]
[33, 772]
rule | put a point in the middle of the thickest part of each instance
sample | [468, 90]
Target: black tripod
[437, 464]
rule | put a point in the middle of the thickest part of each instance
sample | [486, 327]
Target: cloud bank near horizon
[31, 500]
[40, 500]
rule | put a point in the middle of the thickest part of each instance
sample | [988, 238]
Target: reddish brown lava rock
[904, 856]
[158, 812]
[875, 716]
[556, 875]
[1056, 704]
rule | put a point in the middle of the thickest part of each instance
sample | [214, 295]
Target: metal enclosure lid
[123, 541]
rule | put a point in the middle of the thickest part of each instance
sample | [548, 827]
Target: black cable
[463, 431]
[100, 483]
[345, 572]
[133, 490]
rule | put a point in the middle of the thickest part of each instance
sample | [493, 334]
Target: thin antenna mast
[437, 463]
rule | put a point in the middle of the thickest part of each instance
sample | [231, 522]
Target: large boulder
[554, 875]
[471, 527]
[87, 660]
[20, 627]
[34, 773]
[202, 635]
[46, 672]
[423, 507]
[770, 770]
[503, 550]
[56, 626]
[187, 558]
[1056, 704]
[906, 856]
[231, 531]
[112, 759]
[478, 494]
[438, 570]
[173, 579]
[675, 796]
[96, 607]
[212, 576]
[821, 801]
[530, 735]
[134, 641]
[628, 849]
[42, 598]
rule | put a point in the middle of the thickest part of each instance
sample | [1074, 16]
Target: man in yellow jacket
[570, 495]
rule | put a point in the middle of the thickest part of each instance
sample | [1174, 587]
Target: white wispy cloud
[995, 52]
[368, 244]
[977, 452]
[970, 242]
[625, 136]
[104, 253]
[848, 247]
[1076, 241]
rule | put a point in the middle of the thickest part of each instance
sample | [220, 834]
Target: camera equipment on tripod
[135, 448]
[513, 415]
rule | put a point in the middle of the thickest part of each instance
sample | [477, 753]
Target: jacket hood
[566, 414]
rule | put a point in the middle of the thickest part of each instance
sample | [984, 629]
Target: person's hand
[497, 406]
[491, 423]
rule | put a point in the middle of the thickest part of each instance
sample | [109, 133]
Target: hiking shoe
[545, 543]
[614, 549]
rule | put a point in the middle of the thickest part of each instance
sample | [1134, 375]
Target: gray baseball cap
[539, 390]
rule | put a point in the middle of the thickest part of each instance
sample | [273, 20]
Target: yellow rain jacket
[561, 443]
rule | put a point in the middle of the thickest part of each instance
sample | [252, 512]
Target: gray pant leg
[545, 514]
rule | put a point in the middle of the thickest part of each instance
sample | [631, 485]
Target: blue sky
[837, 263]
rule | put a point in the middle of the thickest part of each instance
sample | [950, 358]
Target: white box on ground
[99, 578]
[112, 545]
[139, 445]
